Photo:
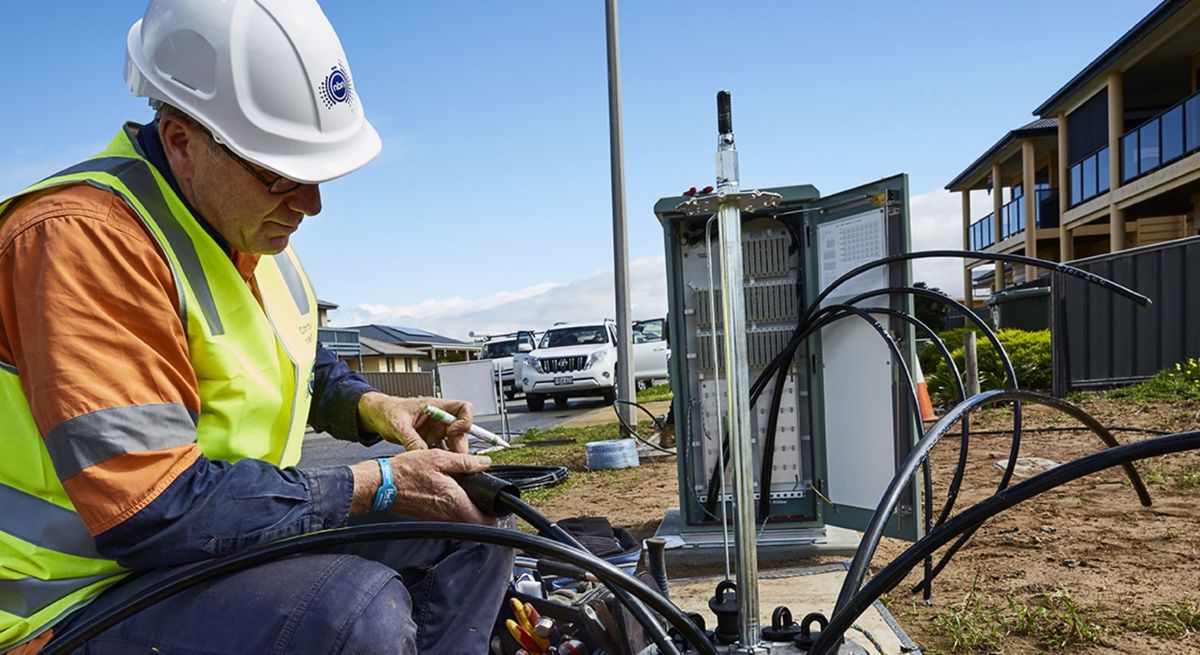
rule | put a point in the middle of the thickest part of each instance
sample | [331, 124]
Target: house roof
[1105, 61]
[410, 336]
[1038, 128]
[325, 304]
[371, 347]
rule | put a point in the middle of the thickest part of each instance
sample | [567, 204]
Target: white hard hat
[267, 77]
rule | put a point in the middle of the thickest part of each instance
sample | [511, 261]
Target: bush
[1029, 352]
[1180, 383]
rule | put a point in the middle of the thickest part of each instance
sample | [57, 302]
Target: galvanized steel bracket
[746, 201]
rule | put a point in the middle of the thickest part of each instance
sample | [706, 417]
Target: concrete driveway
[320, 449]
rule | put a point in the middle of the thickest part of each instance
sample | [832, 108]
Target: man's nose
[306, 199]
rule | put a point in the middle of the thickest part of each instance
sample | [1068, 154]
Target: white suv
[650, 351]
[572, 360]
[500, 349]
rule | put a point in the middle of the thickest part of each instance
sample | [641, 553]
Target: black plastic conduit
[607, 573]
[871, 536]
[971, 518]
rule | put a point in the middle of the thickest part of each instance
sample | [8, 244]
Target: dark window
[1089, 178]
[1172, 134]
[1087, 127]
[1192, 122]
[1129, 161]
[1148, 152]
[1102, 184]
[575, 336]
[648, 331]
[498, 349]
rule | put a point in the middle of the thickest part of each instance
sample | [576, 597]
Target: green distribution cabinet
[845, 420]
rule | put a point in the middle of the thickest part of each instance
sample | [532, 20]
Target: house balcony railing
[339, 341]
[1012, 214]
[1012, 219]
[1089, 177]
[1167, 137]
[983, 233]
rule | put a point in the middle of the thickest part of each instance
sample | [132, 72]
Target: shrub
[1029, 352]
[1180, 383]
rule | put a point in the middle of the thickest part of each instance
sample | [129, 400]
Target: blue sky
[492, 194]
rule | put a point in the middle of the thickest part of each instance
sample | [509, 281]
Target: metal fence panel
[405, 385]
[1102, 340]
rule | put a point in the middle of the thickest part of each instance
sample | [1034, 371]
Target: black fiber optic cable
[607, 573]
[874, 530]
[528, 478]
[1066, 269]
[970, 519]
[632, 431]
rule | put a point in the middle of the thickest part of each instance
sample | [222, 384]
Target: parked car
[500, 349]
[650, 352]
[571, 360]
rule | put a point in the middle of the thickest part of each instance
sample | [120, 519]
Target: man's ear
[179, 141]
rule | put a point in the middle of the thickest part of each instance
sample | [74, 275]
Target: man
[158, 364]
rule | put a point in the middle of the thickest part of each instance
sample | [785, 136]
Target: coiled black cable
[607, 573]
[528, 478]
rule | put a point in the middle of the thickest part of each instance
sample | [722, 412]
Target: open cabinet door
[860, 400]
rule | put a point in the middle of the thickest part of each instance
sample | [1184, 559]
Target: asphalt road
[320, 449]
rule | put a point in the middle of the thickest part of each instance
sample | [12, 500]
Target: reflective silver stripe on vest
[291, 276]
[44, 524]
[8, 368]
[27, 596]
[90, 439]
[136, 175]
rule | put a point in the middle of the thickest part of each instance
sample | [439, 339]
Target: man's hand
[424, 488]
[403, 421]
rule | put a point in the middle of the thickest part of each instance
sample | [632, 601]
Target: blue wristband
[386, 495]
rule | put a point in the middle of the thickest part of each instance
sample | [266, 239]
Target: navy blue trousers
[398, 597]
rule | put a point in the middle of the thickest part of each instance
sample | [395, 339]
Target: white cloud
[536, 307]
[936, 224]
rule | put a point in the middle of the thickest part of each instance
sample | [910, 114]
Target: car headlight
[533, 363]
[596, 358]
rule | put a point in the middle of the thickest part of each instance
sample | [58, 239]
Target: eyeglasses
[277, 185]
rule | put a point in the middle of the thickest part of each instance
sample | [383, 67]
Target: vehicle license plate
[563, 380]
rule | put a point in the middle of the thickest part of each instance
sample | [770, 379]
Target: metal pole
[737, 378]
[620, 238]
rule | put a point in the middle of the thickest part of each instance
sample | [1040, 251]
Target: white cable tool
[482, 434]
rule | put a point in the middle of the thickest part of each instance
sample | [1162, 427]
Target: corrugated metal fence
[1101, 339]
[405, 385]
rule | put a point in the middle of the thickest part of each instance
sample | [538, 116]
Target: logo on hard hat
[337, 87]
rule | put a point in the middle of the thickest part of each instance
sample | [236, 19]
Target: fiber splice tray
[845, 420]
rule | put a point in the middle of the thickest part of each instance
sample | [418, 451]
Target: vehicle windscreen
[646, 331]
[498, 349]
[575, 336]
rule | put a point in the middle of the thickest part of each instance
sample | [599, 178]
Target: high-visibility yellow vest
[254, 367]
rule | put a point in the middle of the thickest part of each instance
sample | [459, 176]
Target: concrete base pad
[698, 547]
[801, 589]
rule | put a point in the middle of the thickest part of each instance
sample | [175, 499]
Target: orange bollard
[923, 400]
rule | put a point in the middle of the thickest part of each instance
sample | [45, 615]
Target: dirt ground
[1082, 569]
